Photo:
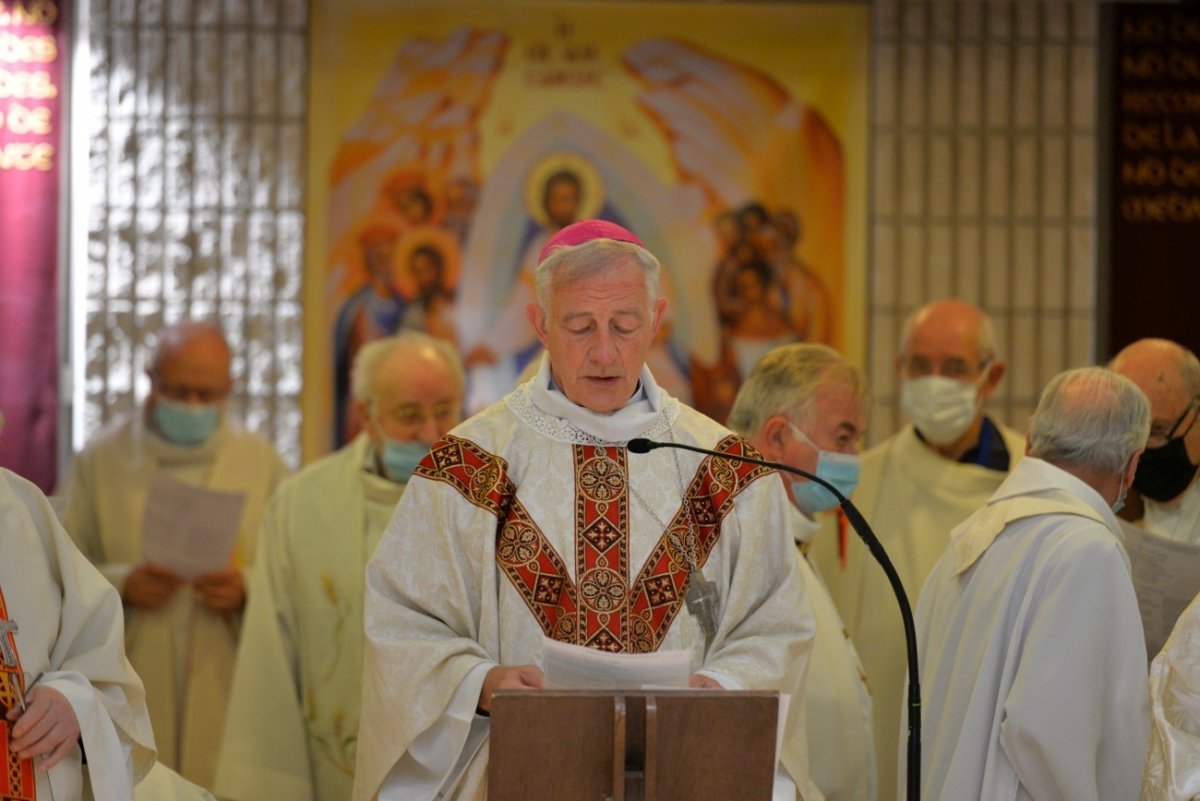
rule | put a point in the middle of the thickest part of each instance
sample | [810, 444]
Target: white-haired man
[915, 487]
[294, 708]
[1166, 483]
[805, 405]
[181, 636]
[532, 520]
[1033, 683]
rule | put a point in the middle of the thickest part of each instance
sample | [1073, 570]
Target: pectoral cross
[8, 654]
[704, 602]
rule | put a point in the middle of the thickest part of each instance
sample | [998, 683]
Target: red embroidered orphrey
[18, 782]
[599, 609]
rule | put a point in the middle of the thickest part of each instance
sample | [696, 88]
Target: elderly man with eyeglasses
[181, 635]
[1166, 478]
[293, 716]
[915, 487]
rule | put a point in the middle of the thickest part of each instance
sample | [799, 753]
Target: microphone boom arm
[863, 529]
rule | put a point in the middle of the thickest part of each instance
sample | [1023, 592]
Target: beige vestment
[183, 652]
[293, 716]
[841, 751]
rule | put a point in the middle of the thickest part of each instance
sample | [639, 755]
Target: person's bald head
[1169, 375]
[190, 364]
[952, 330]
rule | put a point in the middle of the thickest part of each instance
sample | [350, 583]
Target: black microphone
[863, 529]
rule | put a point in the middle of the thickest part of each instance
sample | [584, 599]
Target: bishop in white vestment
[1033, 679]
[532, 520]
[60, 625]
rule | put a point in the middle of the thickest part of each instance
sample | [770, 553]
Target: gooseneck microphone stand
[859, 523]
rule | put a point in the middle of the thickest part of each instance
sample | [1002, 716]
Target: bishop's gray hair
[568, 264]
[785, 381]
[1090, 417]
[373, 354]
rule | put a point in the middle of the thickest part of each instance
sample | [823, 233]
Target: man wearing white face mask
[804, 405]
[181, 636]
[294, 710]
[915, 487]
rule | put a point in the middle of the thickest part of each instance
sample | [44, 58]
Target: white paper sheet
[189, 529]
[1166, 577]
[573, 667]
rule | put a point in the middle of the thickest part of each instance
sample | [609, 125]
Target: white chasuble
[840, 747]
[183, 652]
[1033, 674]
[293, 712]
[1173, 758]
[912, 497]
[60, 622]
[523, 523]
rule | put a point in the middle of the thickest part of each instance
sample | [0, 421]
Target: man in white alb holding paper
[181, 636]
[533, 520]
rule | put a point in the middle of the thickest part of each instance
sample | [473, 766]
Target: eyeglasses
[958, 369]
[1157, 439]
[189, 394]
[412, 417]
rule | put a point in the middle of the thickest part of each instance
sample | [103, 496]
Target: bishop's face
[597, 331]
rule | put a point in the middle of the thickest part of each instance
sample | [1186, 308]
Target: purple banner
[33, 45]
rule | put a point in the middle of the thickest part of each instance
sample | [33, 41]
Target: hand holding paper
[150, 586]
[222, 590]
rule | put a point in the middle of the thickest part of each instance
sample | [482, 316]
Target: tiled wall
[192, 114]
[983, 183]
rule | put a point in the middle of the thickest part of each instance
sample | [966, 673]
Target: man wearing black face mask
[1166, 477]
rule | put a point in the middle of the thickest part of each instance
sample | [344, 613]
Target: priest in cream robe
[915, 487]
[1166, 482]
[1173, 758]
[293, 714]
[61, 654]
[180, 636]
[805, 405]
[1028, 631]
[533, 520]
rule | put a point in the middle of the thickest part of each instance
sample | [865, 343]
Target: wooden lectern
[625, 745]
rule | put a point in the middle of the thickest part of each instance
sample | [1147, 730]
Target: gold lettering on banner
[1158, 172]
[28, 51]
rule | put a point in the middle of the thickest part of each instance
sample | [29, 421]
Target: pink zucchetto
[585, 231]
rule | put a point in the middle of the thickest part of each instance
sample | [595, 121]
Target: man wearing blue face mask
[916, 486]
[181, 636]
[805, 405]
[294, 711]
